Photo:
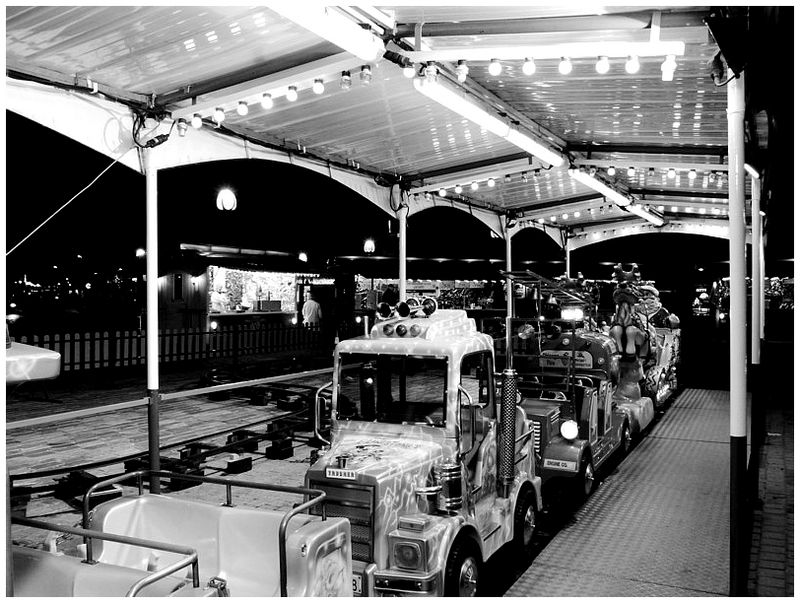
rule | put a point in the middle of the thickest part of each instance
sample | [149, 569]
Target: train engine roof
[444, 333]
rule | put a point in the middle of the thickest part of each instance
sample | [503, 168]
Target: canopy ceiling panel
[170, 63]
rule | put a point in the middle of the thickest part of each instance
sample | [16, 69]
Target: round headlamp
[415, 330]
[569, 430]
[401, 330]
[388, 330]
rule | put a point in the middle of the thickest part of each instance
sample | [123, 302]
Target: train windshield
[409, 390]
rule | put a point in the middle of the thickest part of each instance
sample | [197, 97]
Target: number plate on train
[556, 464]
[356, 584]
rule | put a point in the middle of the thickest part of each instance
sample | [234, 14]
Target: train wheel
[585, 479]
[525, 524]
[463, 568]
[626, 441]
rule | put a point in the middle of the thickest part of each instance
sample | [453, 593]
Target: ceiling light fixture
[611, 170]
[668, 68]
[431, 72]
[409, 70]
[462, 70]
[458, 189]
[242, 108]
[646, 214]
[458, 103]
[565, 66]
[318, 87]
[631, 172]
[632, 64]
[599, 186]
[603, 65]
[495, 68]
[347, 80]
[442, 192]
[366, 75]
[219, 115]
[528, 67]
[267, 102]
[329, 23]
[671, 173]
[474, 185]
[752, 171]
[291, 94]
[692, 174]
[197, 121]
[490, 182]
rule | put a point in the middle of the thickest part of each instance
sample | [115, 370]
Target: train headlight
[569, 430]
[401, 330]
[407, 555]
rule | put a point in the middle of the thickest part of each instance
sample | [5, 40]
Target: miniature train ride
[433, 462]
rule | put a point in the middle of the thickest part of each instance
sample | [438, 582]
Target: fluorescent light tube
[476, 114]
[600, 187]
[328, 23]
[643, 213]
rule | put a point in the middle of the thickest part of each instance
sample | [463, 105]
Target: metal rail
[315, 497]
[191, 554]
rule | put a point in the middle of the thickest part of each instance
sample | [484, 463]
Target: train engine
[433, 472]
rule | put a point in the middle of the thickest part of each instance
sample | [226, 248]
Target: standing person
[312, 311]
[391, 295]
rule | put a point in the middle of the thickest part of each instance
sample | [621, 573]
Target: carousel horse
[626, 326]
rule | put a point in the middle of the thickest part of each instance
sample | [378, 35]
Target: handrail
[315, 496]
[317, 420]
[191, 554]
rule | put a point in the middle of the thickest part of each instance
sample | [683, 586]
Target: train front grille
[355, 502]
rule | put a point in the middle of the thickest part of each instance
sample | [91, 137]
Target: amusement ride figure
[626, 325]
[652, 311]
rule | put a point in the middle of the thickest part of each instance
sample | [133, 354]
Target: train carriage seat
[239, 545]
[39, 573]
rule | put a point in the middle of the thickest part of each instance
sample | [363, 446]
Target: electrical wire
[67, 203]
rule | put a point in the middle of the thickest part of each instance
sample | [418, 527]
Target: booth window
[177, 287]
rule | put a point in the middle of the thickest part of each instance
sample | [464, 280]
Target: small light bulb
[366, 75]
[529, 67]
[611, 170]
[631, 172]
[474, 185]
[565, 66]
[458, 189]
[291, 93]
[495, 68]
[346, 81]
[197, 121]
[442, 192]
[692, 174]
[266, 101]
[490, 182]
[632, 64]
[409, 71]
[318, 86]
[219, 115]
[242, 108]
[671, 173]
[603, 65]
[431, 72]
[462, 70]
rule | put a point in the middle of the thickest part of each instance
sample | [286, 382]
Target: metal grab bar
[191, 554]
[317, 419]
[316, 497]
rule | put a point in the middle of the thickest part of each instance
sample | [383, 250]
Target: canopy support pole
[739, 532]
[154, 436]
[402, 216]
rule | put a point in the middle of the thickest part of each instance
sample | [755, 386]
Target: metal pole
[738, 340]
[568, 259]
[509, 302]
[154, 436]
[402, 216]
[756, 260]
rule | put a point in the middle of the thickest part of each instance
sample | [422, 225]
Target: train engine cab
[571, 399]
[413, 457]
